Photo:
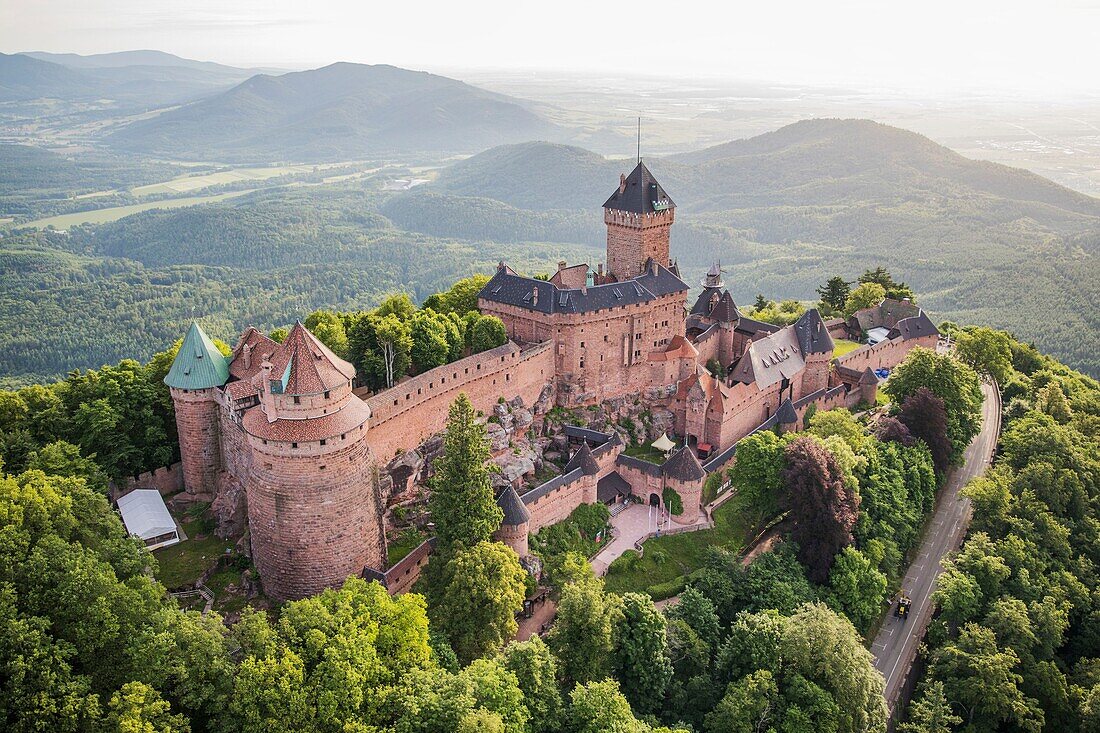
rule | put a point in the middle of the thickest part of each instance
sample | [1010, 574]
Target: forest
[92, 642]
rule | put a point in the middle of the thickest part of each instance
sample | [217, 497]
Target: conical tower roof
[515, 513]
[584, 460]
[311, 366]
[684, 466]
[198, 363]
[786, 414]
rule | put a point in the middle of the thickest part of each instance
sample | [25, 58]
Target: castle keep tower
[639, 215]
[197, 372]
[312, 509]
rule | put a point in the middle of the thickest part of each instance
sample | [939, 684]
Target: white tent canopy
[147, 518]
[663, 444]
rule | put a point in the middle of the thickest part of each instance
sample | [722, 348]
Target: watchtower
[639, 215]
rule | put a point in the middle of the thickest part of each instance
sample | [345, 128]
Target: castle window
[297, 400]
[322, 466]
[418, 390]
[582, 344]
[582, 363]
[327, 395]
[293, 445]
[323, 442]
[507, 377]
[408, 396]
[395, 403]
[343, 436]
[265, 442]
[267, 465]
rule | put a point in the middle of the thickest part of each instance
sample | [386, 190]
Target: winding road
[895, 646]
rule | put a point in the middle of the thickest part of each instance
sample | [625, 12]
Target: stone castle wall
[313, 515]
[633, 238]
[885, 354]
[411, 412]
[167, 480]
[197, 422]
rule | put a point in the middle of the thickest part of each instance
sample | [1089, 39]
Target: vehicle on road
[901, 610]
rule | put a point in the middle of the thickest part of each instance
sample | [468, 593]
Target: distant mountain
[23, 78]
[982, 242]
[339, 111]
[141, 79]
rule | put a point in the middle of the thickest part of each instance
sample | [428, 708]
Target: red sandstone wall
[313, 517]
[885, 354]
[200, 447]
[632, 238]
[409, 413]
[167, 480]
[559, 503]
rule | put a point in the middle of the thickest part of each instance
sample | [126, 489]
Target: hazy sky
[1044, 47]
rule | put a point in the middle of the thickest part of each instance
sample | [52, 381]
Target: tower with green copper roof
[198, 363]
[197, 373]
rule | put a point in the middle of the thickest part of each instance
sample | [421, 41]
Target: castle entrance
[654, 500]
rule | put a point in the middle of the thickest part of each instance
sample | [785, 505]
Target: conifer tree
[462, 504]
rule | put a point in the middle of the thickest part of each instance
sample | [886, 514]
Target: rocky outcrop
[230, 508]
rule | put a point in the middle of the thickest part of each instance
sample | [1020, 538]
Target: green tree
[834, 294]
[892, 289]
[982, 678]
[475, 598]
[750, 705]
[988, 351]
[138, 708]
[430, 347]
[950, 380]
[639, 657]
[329, 329]
[462, 504]
[930, 713]
[582, 636]
[488, 333]
[841, 423]
[395, 346]
[63, 459]
[755, 474]
[856, 588]
[599, 707]
[866, 295]
[536, 673]
[699, 613]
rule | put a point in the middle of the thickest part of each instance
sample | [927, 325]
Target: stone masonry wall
[200, 446]
[410, 412]
[885, 354]
[633, 238]
[313, 518]
[167, 480]
[560, 502]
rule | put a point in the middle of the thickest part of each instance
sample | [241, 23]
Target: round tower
[685, 475]
[312, 510]
[197, 372]
[516, 523]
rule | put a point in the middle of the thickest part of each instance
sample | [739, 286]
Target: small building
[877, 335]
[147, 518]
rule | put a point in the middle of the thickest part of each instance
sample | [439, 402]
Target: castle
[281, 425]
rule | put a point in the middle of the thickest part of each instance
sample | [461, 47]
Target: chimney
[599, 270]
[500, 265]
[622, 183]
[561, 264]
[246, 356]
[534, 296]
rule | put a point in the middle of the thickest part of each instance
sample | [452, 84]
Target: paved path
[632, 524]
[895, 647]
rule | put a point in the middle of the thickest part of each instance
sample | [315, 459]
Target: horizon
[1003, 52]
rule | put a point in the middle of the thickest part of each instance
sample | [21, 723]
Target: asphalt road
[895, 647]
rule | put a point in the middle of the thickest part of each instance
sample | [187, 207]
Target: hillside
[983, 242]
[141, 79]
[336, 112]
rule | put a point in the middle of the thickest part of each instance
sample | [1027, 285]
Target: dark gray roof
[610, 486]
[751, 327]
[555, 483]
[592, 436]
[650, 469]
[702, 303]
[583, 460]
[684, 466]
[813, 336]
[509, 288]
[639, 193]
[868, 377]
[515, 513]
[916, 327]
[786, 414]
[720, 460]
[726, 310]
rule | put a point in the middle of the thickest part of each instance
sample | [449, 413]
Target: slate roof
[916, 327]
[684, 466]
[595, 436]
[198, 363]
[770, 360]
[583, 460]
[510, 288]
[813, 336]
[313, 368]
[886, 314]
[515, 513]
[639, 193]
[868, 377]
[702, 303]
[650, 469]
[610, 486]
[726, 310]
[752, 327]
[786, 414]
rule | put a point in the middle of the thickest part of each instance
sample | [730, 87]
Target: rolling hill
[983, 243]
[337, 112]
[130, 79]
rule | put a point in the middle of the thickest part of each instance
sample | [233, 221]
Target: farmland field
[114, 213]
